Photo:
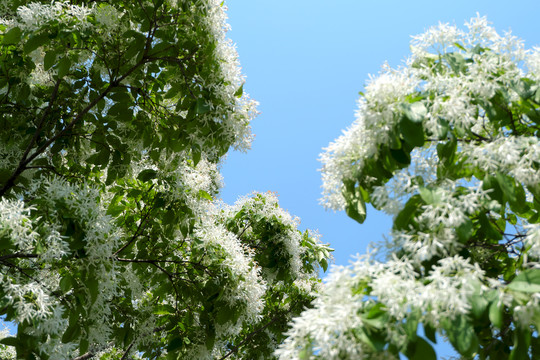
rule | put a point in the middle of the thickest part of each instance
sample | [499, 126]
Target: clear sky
[305, 62]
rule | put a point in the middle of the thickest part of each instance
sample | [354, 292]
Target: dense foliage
[114, 116]
[449, 145]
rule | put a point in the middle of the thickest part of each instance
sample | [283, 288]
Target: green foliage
[113, 120]
[491, 329]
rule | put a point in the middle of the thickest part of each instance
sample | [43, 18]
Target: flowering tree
[449, 146]
[114, 118]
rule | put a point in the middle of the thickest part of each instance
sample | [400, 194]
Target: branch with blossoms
[116, 116]
[448, 145]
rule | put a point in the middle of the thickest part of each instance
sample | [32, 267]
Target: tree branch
[86, 356]
[26, 160]
[250, 336]
[18, 256]
[137, 234]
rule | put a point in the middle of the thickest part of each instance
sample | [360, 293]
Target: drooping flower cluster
[395, 284]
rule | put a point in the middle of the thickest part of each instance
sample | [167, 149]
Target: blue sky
[305, 62]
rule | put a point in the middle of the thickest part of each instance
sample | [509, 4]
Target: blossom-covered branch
[449, 146]
[114, 118]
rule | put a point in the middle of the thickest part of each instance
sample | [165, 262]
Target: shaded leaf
[527, 281]
[13, 36]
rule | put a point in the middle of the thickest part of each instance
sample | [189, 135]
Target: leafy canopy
[114, 117]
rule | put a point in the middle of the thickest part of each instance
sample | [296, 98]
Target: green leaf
[169, 217]
[405, 216]
[34, 42]
[204, 195]
[93, 287]
[522, 341]
[72, 332]
[202, 106]
[210, 337]
[305, 353]
[447, 152]
[13, 36]
[376, 317]
[49, 60]
[5, 174]
[196, 157]
[496, 107]
[135, 48]
[430, 333]
[488, 229]
[83, 345]
[240, 91]
[10, 341]
[175, 344]
[519, 204]
[456, 61]
[164, 309]
[66, 283]
[410, 127]
[224, 314]
[461, 334]
[324, 264]
[527, 281]
[479, 305]
[5, 242]
[373, 339]
[430, 196]
[421, 350]
[147, 175]
[100, 158]
[121, 95]
[401, 156]
[63, 66]
[355, 207]
[411, 324]
[496, 314]
[507, 186]
[112, 175]
[465, 230]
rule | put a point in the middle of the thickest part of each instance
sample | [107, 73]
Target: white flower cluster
[250, 286]
[30, 299]
[52, 328]
[532, 241]
[16, 224]
[34, 15]
[518, 156]
[452, 98]
[83, 202]
[101, 239]
[229, 78]
[442, 294]
[374, 119]
[9, 154]
[269, 208]
[239, 257]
